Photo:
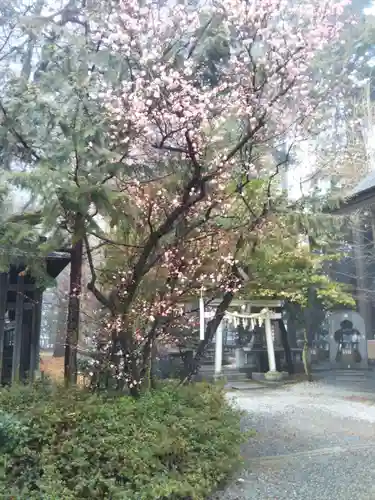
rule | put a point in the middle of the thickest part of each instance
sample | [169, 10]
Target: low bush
[69, 444]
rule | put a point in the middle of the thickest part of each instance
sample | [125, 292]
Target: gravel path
[313, 442]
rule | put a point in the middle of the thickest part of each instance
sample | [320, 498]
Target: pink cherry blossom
[196, 138]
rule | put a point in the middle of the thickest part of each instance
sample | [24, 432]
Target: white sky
[370, 10]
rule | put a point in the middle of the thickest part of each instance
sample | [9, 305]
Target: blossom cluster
[164, 106]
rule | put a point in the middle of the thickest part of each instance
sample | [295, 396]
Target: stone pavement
[314, 442]
[353, 381]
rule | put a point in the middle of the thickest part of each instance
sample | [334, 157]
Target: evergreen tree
[55, 141]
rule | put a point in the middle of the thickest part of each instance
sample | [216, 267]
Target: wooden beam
[35, 333]
[12, 287]
[4, 281]
[16, 361]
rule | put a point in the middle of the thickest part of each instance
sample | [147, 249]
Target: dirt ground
[53, 367]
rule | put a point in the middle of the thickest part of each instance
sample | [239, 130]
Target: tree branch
[17, 135]
[91, 285]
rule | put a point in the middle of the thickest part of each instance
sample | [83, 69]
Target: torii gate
[265, 315]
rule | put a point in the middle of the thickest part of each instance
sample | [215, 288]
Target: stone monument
[347, 340]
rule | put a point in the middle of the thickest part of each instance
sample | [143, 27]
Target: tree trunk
[72, 333]
[309, 318]
[306, 358]
[286, 346]
[147, 368]
[292, 331]
[308, 328]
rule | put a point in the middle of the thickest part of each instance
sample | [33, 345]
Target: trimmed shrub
[70, 444]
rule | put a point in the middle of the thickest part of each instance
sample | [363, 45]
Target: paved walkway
[314, 442]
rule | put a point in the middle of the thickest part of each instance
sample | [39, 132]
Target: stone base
[257, 376]
[274, 376]
[270, 376]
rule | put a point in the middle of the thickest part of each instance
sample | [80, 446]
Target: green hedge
[168, 444]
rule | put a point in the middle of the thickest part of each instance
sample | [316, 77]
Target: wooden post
[363, 304]
[35, 333]
[372, 301]
[4, 282]
[16, 361]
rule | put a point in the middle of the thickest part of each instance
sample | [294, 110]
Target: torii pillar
[269, 339]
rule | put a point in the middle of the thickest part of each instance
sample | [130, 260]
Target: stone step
[348, 380]
[348, 377]
[245, 385]
[230, 375]
[349, 373]
[224, 373]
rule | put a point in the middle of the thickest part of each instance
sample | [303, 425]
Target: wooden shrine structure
[20, 319]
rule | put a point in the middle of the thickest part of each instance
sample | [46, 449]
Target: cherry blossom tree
[157, 117]
[187, 140]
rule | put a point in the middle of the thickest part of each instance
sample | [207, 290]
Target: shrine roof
[57, 262]
[365, 184]
[362, 196]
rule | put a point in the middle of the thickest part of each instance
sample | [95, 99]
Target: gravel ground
[313, 442]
